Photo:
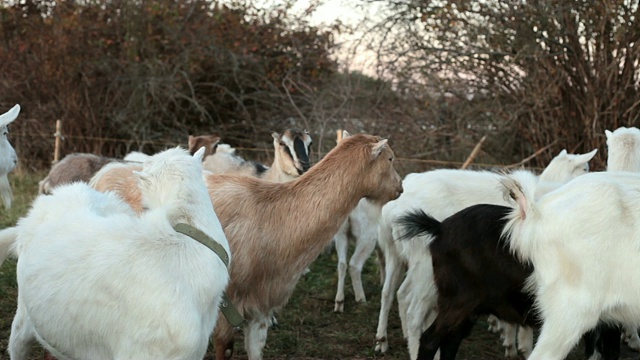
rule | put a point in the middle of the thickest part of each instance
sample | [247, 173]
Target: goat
[291, 159]
[276, 230]
[8, 157]
[96, 291]
[623, 146]
[73, 168]
[583, 242]
[475, 274]
[361, 223]
[83, 166]
[441, 193]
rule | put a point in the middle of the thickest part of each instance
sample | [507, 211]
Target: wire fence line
[169, 143]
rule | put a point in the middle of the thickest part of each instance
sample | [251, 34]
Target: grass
[307, 326]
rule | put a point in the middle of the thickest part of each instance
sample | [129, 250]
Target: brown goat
[73, 168]
[276, 230]
[83, 166]
[208, 141]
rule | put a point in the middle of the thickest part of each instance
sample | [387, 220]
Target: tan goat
[276, 230]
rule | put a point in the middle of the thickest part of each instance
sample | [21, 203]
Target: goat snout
[302, 167]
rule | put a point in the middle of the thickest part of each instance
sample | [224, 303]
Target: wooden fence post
[58, 136]
[474, 153]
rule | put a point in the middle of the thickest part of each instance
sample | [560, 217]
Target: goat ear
[608, 133]
[8, 117]
[378, 147]
[275, 136]
[191, 140]
[345, 134]
[198, 155]
[584, 158]
[563, 152]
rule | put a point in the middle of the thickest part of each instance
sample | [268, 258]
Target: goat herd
[127, 259]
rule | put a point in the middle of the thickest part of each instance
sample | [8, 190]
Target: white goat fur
[8, 157]
[442, 193]
[276, 230]
[362, 225]
[623, 146]
[584, 243]
[95, 281]
[287, 164]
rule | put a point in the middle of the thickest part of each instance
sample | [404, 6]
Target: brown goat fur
[73, 168]
[208, 141]
[276, 230]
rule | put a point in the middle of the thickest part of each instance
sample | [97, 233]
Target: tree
[530, 73]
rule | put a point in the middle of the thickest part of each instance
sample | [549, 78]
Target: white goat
[623, 146]
[290, 160]
[362, 225]
[583, 241]
[121, 286]
[8, 157]
[441, 193]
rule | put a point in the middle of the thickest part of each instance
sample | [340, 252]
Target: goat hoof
[361, 300]
[339, 307]
[382, 345]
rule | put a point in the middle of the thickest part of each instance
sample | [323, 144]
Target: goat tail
[519, 188]
[418, 223]
[5, 191]
[8, 238]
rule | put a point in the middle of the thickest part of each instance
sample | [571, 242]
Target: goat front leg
[509, 336]
[223, 339]
[525, 340]
[255, 336]
[342, 244]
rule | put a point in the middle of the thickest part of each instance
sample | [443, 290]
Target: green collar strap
[226, 306]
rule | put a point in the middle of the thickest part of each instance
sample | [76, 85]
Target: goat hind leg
[393, 275]
[561, 331]
[364, 247]
[22, 336]
[631, 337]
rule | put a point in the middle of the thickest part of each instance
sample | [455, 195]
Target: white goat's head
[172, 179]
[565, 167]
[292, 150]
[623, 147]
[8, 158]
